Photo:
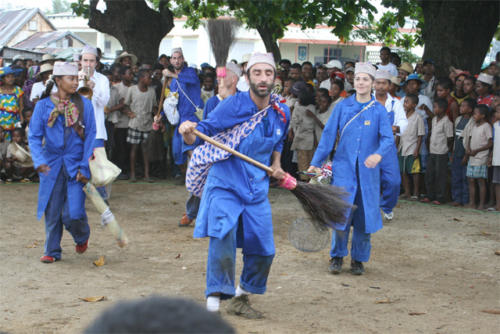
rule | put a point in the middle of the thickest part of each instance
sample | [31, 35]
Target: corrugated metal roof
[44, 39]
[11, 21]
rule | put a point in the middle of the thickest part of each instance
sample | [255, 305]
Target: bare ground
[433, 269]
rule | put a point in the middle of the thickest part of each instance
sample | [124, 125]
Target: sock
[240, 291]
[213, 303]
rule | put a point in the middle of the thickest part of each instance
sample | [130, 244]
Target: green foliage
[59, 6]
[80, 8]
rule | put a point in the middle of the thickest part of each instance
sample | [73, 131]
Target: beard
[254, 87]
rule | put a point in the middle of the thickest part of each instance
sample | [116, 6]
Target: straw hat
[406, 67]
[46, 58]
[126, 54]
[45, 68]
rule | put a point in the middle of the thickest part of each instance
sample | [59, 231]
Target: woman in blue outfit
[235, 210]
[61, 139]
[364, 138]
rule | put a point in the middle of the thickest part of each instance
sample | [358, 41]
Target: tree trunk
[458, 33]
[138, 27]
[270, 42]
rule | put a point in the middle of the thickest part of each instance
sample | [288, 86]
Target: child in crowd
[478, 141]
[302, 125]
[19, 165]
[441, 142]
[207, 87]
[469, 87]
[26, 125]
[3, 153]
[11, 102]
[336, 91]
[459, 184]
[409, 146]
[141, 99]
[483, 89]
[287, 94]
[324, 108]
[494, 160]
[443, 90]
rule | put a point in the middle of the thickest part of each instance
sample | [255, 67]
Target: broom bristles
[221, 33]
[323, 202]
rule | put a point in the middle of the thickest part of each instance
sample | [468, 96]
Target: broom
[221, 33]
[323, 202]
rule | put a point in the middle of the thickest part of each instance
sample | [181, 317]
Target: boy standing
[409, 146]
[495, 156]
[440, 144]
[142, 100]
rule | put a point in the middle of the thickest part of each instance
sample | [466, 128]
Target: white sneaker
[389, 216]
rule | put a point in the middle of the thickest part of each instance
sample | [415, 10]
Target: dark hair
[124, 69]
[107, 72]
[413, 98]
[445, 83]
[441, 103]
[385, 48]
[158, 66]
[285, 61]
[483, 110]
[296, 66]
[20, 131]
[307, 63]
[306, 96]
[158, 315]
[349, 62]
[470, 78]
[75, 97]
[338, 82]
[470, 102]
[143, 73]
[395, 55]
[323, 92]
[162, 56]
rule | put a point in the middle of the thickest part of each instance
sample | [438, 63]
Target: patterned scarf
[205, 155]
[66, 108]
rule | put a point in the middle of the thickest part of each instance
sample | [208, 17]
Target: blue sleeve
[386, 139]
[328, 137]
[88, 143]
[279, 145]
[36, 133]
[226, 114]
[188, 76]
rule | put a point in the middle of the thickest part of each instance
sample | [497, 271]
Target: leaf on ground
[491, 311]
[416, 313]
[384, 301]
[33, 245]
[93, 299]
[485, 233]
[178, 256]
[497, 252]
[457, 220]
[100, 261]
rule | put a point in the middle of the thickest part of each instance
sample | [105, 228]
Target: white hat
[124, 54]
[245, 58]
[383, 74]
[45, 68]
[365, 68]
[334, 63]
[46, 58]
[174, 50]
[234, 68]
[87, 49]
[486, 78]
[261, 58]
[65, 68]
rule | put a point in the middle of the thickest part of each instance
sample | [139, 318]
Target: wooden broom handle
[233, 152]
[162, 96]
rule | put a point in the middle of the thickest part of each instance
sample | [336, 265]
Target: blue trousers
[221, 266]
[57, 215]
[360, 245]
[459, 185]
[192, 206]
[390, 181]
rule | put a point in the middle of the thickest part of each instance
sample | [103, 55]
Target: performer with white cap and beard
[364, 138]
[235, 210]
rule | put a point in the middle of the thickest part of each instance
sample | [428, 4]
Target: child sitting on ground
[409, 147]
[478, 141]
[459, 185]
[441, 142]
[19, 165]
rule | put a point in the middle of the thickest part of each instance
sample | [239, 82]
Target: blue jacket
[190, 84]
[368, 134]
[239, 181]
[74, 154]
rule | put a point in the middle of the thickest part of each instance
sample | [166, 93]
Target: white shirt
[100, 99]
[395, 105]
[38, 89]
[242, 85]
[391, 68]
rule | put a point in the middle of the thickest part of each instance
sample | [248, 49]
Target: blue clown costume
[61, 197]
[187, 84]
[235, 211]
[361, 135]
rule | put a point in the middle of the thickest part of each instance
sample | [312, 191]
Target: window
[33, 25]
[107, 46]
[330, 53]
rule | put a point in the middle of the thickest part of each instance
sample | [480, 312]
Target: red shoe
[436, 202]
[48, 259]
[185, 221]
[80, 249]
[425, 200]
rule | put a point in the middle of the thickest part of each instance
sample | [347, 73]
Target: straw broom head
[221, 33]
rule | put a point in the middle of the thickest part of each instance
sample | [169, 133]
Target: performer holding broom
[235, 210]
[65, 122]
[365, 137]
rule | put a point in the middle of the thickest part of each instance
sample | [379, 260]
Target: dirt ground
[433, 269]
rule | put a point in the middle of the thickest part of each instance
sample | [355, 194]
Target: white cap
[233, 68]
[365, 68]
[261, 58]
[245, 58]
[486, 78]
[334, 63]
[65, 68]
[383, 74]
[87, 49]
[174, 50]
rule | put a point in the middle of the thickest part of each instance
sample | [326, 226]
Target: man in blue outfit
[235, 210]
[61, 139]
[187, 84]
[226, 87]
